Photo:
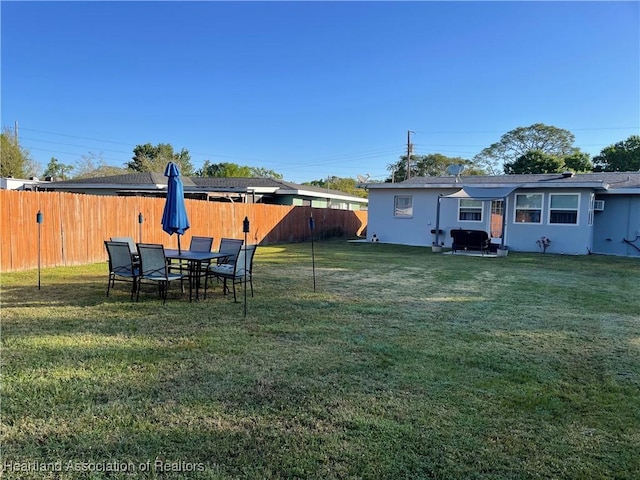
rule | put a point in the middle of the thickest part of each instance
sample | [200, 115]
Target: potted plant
[502, 251]
[543, 243]
[435, 246]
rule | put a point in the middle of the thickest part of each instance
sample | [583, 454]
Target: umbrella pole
[179, 249]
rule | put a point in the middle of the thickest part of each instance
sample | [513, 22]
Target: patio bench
[476, 240]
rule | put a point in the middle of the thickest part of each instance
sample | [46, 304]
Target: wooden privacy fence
[75, 226]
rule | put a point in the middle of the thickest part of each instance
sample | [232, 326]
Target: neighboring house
[579, 213]
[10, 183]
[245, 190]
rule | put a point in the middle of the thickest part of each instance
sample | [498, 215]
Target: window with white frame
[528, 208]
[403, 206]
[563, 208]
[338, 205]
[469, 210]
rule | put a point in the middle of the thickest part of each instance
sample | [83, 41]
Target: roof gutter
[392, 186]
[317, 194]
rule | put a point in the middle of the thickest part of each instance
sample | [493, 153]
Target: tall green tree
[58, 170]
[433, 164]
[623, 156]
[534, 161]
[223, 170]
[15, 161]
[514, 144]
[149, 158]
[578, 162]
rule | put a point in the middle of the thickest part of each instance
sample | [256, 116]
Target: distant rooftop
[607, 180]
[231, 184]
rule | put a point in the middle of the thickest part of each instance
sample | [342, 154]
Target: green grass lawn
[402, 365]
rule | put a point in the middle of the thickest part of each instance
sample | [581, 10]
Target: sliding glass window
[528, 208]
[563, 208]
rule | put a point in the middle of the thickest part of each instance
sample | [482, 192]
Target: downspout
[631, 242]
[438, 221]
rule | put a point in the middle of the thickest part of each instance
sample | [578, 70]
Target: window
[470, 210]
[563, 209]
[337, 205]
[528, 208]
[403, 206]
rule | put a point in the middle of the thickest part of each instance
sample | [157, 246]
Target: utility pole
[15, 131]
[409, 151]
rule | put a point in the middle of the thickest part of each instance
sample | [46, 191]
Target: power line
[395, 151]
[74, 136]
[502, 131]
[73, 145]
[71, 153]
[314, 162]
[384, 152]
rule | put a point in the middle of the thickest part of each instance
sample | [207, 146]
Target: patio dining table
[194, 261]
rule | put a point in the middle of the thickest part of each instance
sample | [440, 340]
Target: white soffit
[483, 193]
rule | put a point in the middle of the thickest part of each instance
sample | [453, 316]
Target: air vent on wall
[598, 205]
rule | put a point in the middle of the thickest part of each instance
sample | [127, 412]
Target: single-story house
[245, 190]
[578, 213]
[11, 183]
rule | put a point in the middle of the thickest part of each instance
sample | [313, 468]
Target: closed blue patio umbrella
[174, 217]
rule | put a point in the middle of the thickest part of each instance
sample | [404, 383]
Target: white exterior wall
[408, 231]
[17, 183]
[416, 230]
[566, 239]
[619, 220]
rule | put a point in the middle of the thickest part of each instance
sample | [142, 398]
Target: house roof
[143, 178]
[157, 181]
[605, 181]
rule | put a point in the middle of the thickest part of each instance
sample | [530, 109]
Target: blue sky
[312, 89]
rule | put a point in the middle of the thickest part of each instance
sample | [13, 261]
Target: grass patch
[403, 364]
